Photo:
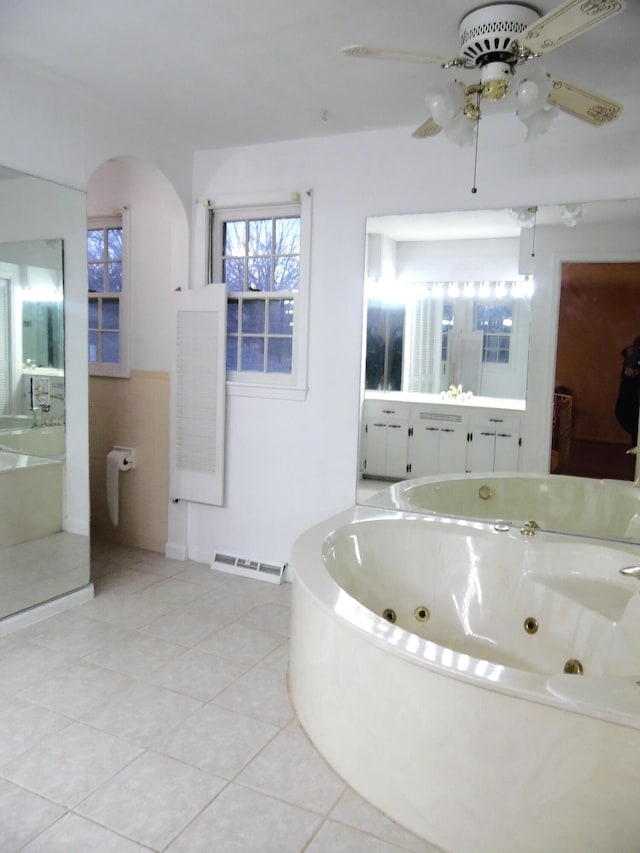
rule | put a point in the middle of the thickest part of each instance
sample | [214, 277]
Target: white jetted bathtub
[602, 508]
[35, 441]
[31, 483]
[466, 718]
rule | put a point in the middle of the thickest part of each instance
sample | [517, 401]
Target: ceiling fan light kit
[496, 40]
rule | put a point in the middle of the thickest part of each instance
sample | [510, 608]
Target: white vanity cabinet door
[453, 450]
[495, 442]
[386, 434]
[482, 450]
[424, 450]
[437, 442]
[507, 455]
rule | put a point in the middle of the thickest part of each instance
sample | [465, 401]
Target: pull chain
[474, 188]
[533, 236]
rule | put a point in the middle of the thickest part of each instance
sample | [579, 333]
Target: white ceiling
[215, 74]
[489, 224]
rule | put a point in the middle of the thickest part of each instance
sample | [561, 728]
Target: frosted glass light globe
[528, 92]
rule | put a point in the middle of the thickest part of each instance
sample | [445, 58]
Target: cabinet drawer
[377, 409]
[496, 422]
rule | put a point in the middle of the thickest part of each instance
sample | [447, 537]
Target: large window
[107, 287]
[260, 254]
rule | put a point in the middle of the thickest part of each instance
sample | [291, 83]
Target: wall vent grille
[440, 416]
[246, 568]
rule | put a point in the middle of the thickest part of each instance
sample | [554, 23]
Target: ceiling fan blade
[365, 51]
[570, 19]
[584, 105]
[427, 128]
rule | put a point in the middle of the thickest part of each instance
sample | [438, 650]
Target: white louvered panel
[198, 396]
[196, 386]
[424, 347]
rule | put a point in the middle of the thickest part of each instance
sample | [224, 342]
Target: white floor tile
[23, 816]
[244, 821]
[76, 688]
[197, 674]
[68, 766]
[74, 834]
[142, 713]
[269, 617]
[23, 724]
[351, 809]
[261, 693]
[134, 654]
[336, 838]
[292, 767]
[152, 800]
[242, 643]
[217, 740]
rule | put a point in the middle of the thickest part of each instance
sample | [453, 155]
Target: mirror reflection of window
[385, 346]
[495, 321]
[427, 342]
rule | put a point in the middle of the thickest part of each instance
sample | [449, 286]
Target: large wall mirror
[450, 303]
[44, 552]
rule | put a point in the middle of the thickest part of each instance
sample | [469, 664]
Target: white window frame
[292, 386]
[122, 368]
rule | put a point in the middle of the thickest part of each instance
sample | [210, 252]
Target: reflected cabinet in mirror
[449, 308]
[39, 559]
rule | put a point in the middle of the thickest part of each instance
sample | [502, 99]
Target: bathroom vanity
[423, 434]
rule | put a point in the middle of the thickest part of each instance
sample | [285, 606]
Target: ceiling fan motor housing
[486, 38]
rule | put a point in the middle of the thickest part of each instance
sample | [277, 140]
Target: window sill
[273, 392]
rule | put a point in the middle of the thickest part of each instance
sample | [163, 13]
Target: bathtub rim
[585, 695]
[390, 498]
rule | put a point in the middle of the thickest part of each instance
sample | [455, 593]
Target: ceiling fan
[498, 40]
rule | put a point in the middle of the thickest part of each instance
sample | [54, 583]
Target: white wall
[459, 260]
[289, 464]
[159, 251]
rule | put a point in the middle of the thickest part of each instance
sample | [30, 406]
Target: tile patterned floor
[156, 717]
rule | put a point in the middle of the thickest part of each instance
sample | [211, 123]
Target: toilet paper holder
[129, 460]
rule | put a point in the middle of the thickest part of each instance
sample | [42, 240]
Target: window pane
[253, 316]
[286, 275]
[114, 244]
[93, 313]
[110, 314]
[232, 317]
[252, 356]
[281, 317]
[232, 352]
[234, 239]
[93, 346]
[95, 245]
[259, 274]
[96, 278]
[115, 278]
[260, 236]
[287, 236]
[233, 273]
[111, 347]
[279, 355]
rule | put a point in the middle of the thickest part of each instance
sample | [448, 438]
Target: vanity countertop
[436, 399]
